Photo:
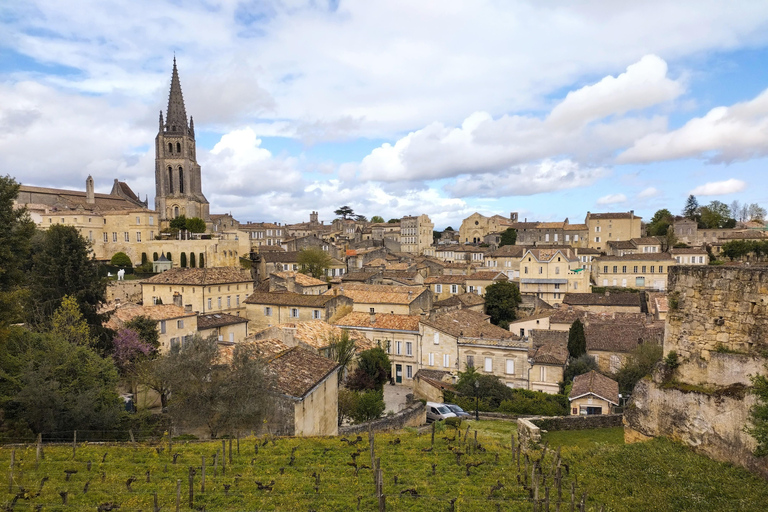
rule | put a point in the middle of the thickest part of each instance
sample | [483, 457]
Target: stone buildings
[416, 233]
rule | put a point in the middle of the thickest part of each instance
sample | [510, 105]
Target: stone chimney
[90, 197]
[187, 308]
[373, 316]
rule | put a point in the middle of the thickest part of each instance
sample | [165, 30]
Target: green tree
[372, 370]
[577, 366]
[377, 219]
[691, 208]
[577, 341]
[120, 259]
[508, 237]
[63, 264]
[344, 212]
[393, 221]
[659, 223]
[758, 414]
[342, 350]
[195, 225]
[69, 324]
[501, 301]
[146, 328]
[638, 364]
[16, 232]
[715, 215]
[313, 261]
[361, 218]
[369, 406]
[178, 223]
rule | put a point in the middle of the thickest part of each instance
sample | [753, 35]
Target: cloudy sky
[443, 107]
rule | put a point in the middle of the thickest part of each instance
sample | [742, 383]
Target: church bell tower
[178, 188]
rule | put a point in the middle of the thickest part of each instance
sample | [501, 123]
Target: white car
[436, 412]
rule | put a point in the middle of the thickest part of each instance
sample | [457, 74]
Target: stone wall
[717, 323]
[527, 432]
[124, 291]
[577, 422]
[413, 415]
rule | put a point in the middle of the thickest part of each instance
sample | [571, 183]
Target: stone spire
[176, 117]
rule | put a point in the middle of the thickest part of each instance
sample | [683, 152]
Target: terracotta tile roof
[485, 275]
[218, 320]
[318, 333]
[647, 240]
[509, 251]
[382, 321]
[575, 227]
[470, 299]
[268, 347]
[661, 304]
[127, 312]
[358, 276]
[548, 253]
[297, 371]
[301, 279]
[551, 225]
[446, 279]
[596, 384]
[587, 250]
[617, 215]
[618, 337]
[661, 257]
[376, 262]
[201, 276]
[289, 299]
[600, 299]
[437, 375]
[62, 200]
[688, 250]
[622, 244]
[551, 353]
[468, 324]
[543, 314]
[379, 294]
[548, 337]
[281, 256]
[524, 225]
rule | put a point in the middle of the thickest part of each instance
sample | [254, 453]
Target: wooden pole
[133, 440]
[371, 445]
[191, 487]
[215, 462]
[74, 444]
[238, 442]
[178, 495]
[230, 450]
[157, 505]
[202, 476]
[573, 496]
[223, 457]
[10, 475]
[433, 433]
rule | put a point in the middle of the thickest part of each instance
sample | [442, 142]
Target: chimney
[373, 316]
[187, 308]
[90, 197]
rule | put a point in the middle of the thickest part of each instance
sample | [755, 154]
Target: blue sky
[549, 109]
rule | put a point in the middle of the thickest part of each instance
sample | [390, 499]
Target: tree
[225, 398]
[369, 406]
[178, 223]
[195, 225]
[393, 221]
[659, 223]
[758, 414]
[577, 342]
[377, 219]
[342, 350]
[313, 261]
[508, 237]
[120, 259]
[69, 324]
[715, 215]
[638, 364]
[578, 366]
[756, 212]
[691, 208]
[344, 212]
[361, 218]
[372, 370]
[501, 301]
[16, 232]
[63, 264]
[57, 386]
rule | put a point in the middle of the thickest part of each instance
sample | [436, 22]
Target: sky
[403, 107]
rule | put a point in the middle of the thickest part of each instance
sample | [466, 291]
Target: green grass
[654, 476]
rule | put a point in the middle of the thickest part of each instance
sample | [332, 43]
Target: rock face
[717, 324]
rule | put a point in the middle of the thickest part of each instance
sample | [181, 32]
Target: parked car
[437, 412]
[458, 411]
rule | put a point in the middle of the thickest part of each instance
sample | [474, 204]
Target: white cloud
[719, 188]
[612, 199]
[648, 192]
[724, 134]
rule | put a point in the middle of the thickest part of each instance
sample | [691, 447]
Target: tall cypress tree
[577, 342]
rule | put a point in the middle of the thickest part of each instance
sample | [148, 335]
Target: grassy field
[317, 474]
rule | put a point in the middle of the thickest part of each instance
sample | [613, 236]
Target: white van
[436, 412]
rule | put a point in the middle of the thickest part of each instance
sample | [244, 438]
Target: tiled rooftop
[201, 276]
[468, 324]
[600, 299]
[595, 383]
[301, 279]
[289, 299]
[382, 321]
[218, 320]
[297, 371]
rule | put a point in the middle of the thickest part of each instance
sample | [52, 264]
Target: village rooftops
[214, 320]
[297, 371]
[463, 323]
[551, 353]
[280, 256]
[301, 279]
[267, 347]
[596, 384]
[447, 279]
[201, 276]
[615, 337]
[463, 299]
[612, 216]
[600, 299]
[378, 294]
[380, 321]
[127, 312]
[566, 315]
[541, 337]
[289, 299]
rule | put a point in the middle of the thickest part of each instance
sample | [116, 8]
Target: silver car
[436, 412]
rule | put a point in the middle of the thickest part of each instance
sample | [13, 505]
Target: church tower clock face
[178, 184]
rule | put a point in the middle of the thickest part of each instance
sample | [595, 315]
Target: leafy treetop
[501, 301]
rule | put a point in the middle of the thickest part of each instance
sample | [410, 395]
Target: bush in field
[370, 406]
[120, 259]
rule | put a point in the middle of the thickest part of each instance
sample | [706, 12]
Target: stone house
[416, 233]
[593, 393]
[398, 300]
[478, 281]
[690, 255]
[205, 290]
[456, 340]
[548, 358]
[645, 245]
[646, 271]
[269, 262]
[610, 343]
[307, 394]
[175, 324]
[523, 326]
[609, 227]
[429, 385]
[265, 309]
[476, 226]
[296, 282]
[604, 302]
[506, 259]
[553, 233]
[468, 301]
[226, 328]
[550, 273]
[398, 335]
[446, 286]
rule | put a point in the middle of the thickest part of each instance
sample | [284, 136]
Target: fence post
[157, 505]
[178, 495]
[230, 449]
[223, 457]
[10, 475]
[74, 444]
[202, 483]
[191, 487]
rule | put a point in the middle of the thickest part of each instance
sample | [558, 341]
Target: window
[162, 326]
[557, 286]
[543, 374]
[438, 288]
[174, 342]
[237, 300]
[180, 324]
[408, 348]
[605, 269]
[267, 310]
[652, 268]
[546, 237]
[575, 238]
[525, 270]
[615, 269]
[127, 236]
[635, 269]
[316, 314]
[555, 237]
[597, 239]
[106, 237]
[114, 236]
[541, 270]
[408, 371]
[218, 300]
[488, 364]
[510, 366]
[661, 269]
[470, 361]
[151, 220]
[210, 305]
[557, 270]
[138, 236]
[436, 338]
[446, 361]
[454, 288]
[643, 269]
[138, 220]
[294, 313]
[567, 238]
[615, 363]
[431, 359]
[398, 347]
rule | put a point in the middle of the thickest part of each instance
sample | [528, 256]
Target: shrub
[453, 422]
[370, 406]
[120, 259]
[672, 361]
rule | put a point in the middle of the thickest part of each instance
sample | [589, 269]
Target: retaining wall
[413, 415]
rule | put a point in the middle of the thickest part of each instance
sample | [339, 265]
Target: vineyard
[477, 467]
